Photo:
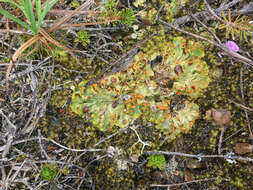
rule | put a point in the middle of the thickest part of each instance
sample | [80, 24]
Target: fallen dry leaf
[221, 117]
[243, 148]
[187, 175]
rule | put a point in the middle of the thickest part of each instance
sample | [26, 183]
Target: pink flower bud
[232, 46]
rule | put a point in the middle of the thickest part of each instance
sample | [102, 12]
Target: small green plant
[138, 3]
[157, 161]
[60, 55]
[125, 16]
[27, 8]
[109, 6]
[74, 4]
[48, 172]
[240, 27]
[82, 37]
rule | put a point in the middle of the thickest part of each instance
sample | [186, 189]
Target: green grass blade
[38, 8]
[15, 19]
[22, 2]
[245, 36]
[42, 16]
[12, 3]
[225, 18]
[51, 5]
[30, 13]
[45, 11]
[22, 7]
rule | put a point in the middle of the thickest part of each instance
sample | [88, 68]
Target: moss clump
[125, 16]
[157, 161]
[48, 172]
[82, 37]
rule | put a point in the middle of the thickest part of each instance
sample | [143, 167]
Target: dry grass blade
[17, 54]
[240, 105]
[64, 12]
[44, 38]
[34, 49]
[44, 41]
[50, 39]
[22, 48]
[68, 17]
[86, 24]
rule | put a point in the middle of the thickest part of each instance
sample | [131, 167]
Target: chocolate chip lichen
[121, 98]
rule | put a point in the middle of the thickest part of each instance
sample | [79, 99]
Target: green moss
[82, 37]
[48, 172]
[126, 15]
[60, 55]
[157, 161]
[74, 4]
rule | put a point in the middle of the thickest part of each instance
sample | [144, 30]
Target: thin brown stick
[243, 102]
[211, 32]
[50, 39]
[64, 12]
[13, 31]
[185, 183]
[7, 28]
[210, 10]
[85, 24]
[68, 17]
[220, 139]
[233, 134]
[22, 48]
[240, 105]
[44, 41]
[201, 156]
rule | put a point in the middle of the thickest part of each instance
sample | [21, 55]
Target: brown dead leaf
[188, 175]
[221, 117]
[243, 148]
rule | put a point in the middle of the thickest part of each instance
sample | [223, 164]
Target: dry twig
[200, 156]
[243, 103]
[185, 183]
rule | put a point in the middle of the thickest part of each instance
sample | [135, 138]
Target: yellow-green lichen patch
[121, 98]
